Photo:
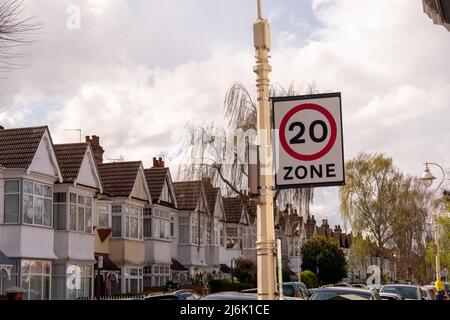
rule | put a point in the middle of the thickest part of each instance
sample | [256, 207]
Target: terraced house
[73, 220]
[160, 227]
[27, 237]
[62, 210]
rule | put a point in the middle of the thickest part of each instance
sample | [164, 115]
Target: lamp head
[427, 177]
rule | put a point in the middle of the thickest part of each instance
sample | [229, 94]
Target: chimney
[97, 148]
[325, 222]
[158, 163]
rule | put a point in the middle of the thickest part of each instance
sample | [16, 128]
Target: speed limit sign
[308, 146]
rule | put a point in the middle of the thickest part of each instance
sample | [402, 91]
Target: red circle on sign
[314, 156]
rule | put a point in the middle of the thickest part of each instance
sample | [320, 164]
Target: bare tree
[16, 32]
[223, 154]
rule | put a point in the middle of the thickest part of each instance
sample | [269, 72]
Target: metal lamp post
[427, 179]
[299, 269]
[99, 266]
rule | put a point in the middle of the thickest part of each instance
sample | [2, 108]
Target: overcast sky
[136, 71]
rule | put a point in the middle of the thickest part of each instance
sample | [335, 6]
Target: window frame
[79, 202]
[19, 201]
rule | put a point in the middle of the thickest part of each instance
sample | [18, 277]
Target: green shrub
[226, 285]
[309, 279]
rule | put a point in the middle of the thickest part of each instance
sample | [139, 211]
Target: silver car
[407, 291]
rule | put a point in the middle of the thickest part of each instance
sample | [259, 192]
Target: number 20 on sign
[308, 144]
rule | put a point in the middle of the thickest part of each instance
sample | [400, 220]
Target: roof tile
[18, 146]
[70, 157]
[118, 178]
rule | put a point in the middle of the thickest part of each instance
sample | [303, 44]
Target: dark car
[290, 289]
[177, 295]
[344, 293]
[409, 292]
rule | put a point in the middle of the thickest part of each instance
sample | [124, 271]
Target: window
[183, 231]
[6, 283]
[133, 280]
[12, 201]
[60, 210]
[36, 279]
[233, 239]
[158, 224]
[147, 227]
[222, 242]
[172, 226]
[104, 216]
[76, 280]
[156, 275]
[80, 213]
[127, 222]
[116, 226]
[37, 203]
[116, 208]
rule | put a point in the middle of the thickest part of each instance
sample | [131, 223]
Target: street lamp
[395, 267]
[299, 228]
[427, 179]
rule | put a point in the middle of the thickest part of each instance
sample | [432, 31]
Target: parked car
[230, 295]
[290, 289]
[177, 295]
[234, 295]
[344, 293]
[431, 292]
[360, 285]
[296, 289]
[390, 296]
[312, 290]
[409, 292]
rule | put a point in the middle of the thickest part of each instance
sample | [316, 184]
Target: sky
[134, 72]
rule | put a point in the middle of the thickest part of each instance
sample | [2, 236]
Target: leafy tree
[324, 257]
[444, 223]
[245, 271]
[384, 205]
[309, 279]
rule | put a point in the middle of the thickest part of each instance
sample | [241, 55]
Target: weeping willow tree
[222, 153]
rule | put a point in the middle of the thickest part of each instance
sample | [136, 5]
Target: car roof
[230, 295]
[400, 285]
[349, 289]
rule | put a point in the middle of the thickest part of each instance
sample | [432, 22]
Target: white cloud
[134, 78]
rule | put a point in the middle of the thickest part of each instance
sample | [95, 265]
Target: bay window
[156, 275]
[183, 231]
[233, 239]
[127, 222]
[12, 201]
[37, 202]
[35, 276]
[104, 216]
[158, 224]
[71, 281]
[80, 213]
[221, 235]
[133, 280]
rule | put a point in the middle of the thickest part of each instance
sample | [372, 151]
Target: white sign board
[308, 146]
